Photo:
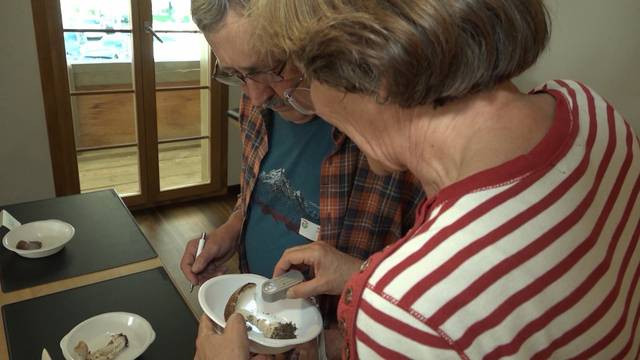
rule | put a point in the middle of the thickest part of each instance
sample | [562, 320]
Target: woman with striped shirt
[528, 246]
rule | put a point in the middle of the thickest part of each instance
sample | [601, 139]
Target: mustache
[274, 102]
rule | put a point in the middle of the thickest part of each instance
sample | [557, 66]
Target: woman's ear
[381, 99]
[382, 94]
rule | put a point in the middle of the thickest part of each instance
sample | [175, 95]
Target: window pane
[91, 47]
[110, 168]
[107, 48]
[182, 113]
[100, 65]
[184, 163]
[104, 120]
[180, 47]
[106, 142]
[172, 15]
[103, 31]
[179, 73]
[96, 14]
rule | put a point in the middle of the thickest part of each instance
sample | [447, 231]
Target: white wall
[234, 97]
[596, 42]
[25, 162]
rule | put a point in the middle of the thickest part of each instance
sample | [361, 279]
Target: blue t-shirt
[287, 189]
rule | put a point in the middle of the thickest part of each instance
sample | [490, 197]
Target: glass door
[99, 52]
[182, 94]
[147, 120]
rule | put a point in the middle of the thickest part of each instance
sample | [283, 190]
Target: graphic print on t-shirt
[285, 204]
[287, 189]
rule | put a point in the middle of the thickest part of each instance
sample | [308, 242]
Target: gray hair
[209, 14]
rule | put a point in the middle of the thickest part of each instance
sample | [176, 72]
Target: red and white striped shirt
[535, 258]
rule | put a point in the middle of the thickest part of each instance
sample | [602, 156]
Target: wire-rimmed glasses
[239, 79]
[300, 99]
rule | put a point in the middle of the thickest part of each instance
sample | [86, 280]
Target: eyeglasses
[300, 99]
[239, 79]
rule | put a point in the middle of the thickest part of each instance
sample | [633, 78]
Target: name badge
[309, 229]
[8, 221]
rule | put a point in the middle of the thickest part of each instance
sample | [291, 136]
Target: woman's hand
[233, 344]
[331, 269]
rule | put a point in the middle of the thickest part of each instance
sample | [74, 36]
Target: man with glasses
[302, 180]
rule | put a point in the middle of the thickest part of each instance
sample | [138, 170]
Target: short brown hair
[416, 51]
[209, 14]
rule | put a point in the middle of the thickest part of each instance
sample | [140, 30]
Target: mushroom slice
[244, 301]
[239, 299]
[116, 344]
[28, 245]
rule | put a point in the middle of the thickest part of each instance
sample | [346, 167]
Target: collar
[337, 135]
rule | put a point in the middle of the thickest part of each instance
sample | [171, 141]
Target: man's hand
[218, 248]
[233, 344]
[331, 267]
[306, 351]
[334, 343]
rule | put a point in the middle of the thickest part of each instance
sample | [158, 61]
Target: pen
[200, 246]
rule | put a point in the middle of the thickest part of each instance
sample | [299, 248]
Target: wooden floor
[180, 164]
[169, 228]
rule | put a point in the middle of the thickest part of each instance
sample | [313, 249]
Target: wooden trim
[102, 92]
[131, 201]
[190, 192]
[178, 88]
[145, 86]
[47, 22]
[74, 282]
[186, 138]
[143, 198]
[165, 141]
[108, 31]
[219, 104]
[106, 147]
[174, 196]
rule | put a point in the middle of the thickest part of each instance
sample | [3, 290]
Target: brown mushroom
[234, 299]
[244, 301]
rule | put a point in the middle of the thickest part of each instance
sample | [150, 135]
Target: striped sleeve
[393, 333]
[543, 266]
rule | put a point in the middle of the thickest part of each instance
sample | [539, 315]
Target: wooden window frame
[48, 27]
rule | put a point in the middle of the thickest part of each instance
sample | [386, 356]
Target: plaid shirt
[360, 212]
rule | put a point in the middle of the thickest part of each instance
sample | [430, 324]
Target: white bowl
[96, 332]
[53, 234]
[214, 294]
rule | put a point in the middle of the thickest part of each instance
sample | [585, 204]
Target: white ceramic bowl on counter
[52, 234]
[96, 332]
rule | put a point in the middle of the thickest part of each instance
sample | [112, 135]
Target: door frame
[47, 22]
[48, 27]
